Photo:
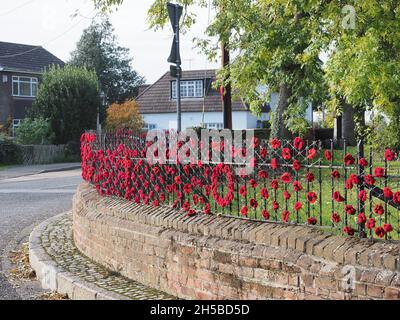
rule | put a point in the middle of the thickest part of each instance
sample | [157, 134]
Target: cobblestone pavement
[57, 242]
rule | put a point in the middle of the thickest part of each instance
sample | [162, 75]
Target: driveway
[25, 201]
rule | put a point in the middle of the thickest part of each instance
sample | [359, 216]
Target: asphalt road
[24, 203]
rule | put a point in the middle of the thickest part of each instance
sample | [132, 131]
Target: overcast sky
[50, 23]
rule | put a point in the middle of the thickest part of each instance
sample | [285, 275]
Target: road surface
[26, 201]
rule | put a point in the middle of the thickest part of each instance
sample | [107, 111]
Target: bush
[69, 98]
[5, 129]
[294, 119]
[73, 152]
[383, 133]
[124, 116]
[34, 131]
[10, 153]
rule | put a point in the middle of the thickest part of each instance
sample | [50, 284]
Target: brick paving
[57, 242]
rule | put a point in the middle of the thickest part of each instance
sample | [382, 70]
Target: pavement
[19, 171]
[28, 196]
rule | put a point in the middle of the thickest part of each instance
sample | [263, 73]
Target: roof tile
[26, 58]
[157, 97]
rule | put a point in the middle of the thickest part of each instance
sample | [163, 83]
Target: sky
[50, 23]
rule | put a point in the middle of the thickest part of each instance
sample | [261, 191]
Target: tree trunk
[348, 125]
[279, 129]
[227, 111]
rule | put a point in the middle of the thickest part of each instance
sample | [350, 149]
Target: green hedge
[10, 153]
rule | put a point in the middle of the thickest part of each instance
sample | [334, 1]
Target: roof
[26, 58]
[142, 88]
[157, 97]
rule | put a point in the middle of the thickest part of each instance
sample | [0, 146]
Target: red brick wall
[207, 257]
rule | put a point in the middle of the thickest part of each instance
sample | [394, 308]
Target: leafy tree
[125, 115]
[35, 131]
[69, 98]
[364, 66]
[106, 5]
[274, 43]
[278, 43]
[294, 118]
[384, 134]
[98, 50]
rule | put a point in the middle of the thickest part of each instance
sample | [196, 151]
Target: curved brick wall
[209, 257]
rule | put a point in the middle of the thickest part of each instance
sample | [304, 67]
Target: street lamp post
[175, 13]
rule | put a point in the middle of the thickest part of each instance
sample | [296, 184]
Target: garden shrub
[124, 116]
[383, 133]
[295, 118]
[10, 152]
[72, 151]
[35, 131]
[69, 98]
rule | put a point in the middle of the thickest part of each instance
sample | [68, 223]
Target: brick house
[21, 68]
[201, 104]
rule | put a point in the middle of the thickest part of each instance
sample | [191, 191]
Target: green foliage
[327, 121]
[266, 124]
[383, 133]
[34, 131]
[69, 99]
[279, 42]
[10, 153]
[72, 152]
[107, 5]
[125, 115]
[276, 43]
[98, 50]
[294, 118]
[364, 66]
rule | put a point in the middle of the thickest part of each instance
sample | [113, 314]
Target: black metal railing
[293, 182]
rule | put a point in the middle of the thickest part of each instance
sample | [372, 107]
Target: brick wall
[208, 257]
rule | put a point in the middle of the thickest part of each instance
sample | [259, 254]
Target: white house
[201, 104]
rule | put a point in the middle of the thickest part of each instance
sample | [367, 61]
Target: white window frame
[32, 81]
[149, 126]
[214, 125]
[189, 89]
[15, 124]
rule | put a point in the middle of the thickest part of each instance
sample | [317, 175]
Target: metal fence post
[361, 187]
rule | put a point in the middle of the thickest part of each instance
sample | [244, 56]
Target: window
[214, 125]
[15, 125]
[149, 126]
[189, 89]
[24, 86]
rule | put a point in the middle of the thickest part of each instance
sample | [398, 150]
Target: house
[201, 104]
[21, 68]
